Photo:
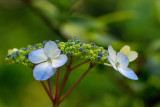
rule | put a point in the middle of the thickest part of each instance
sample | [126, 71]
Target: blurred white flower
[10, 51]
[132, 55]
[48, 60]
[119, 62]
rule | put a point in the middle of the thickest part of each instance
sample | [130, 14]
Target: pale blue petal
[122, 59]
[111, 62]
[112, 53]
[37, 56]
[51, 49]
[127, 72]
[43, 71]
[59, 61]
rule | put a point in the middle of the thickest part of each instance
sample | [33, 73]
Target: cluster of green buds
[20, 56]
[70, 48]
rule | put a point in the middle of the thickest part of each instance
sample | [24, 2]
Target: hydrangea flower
[132, 55]
[119, 62]
[48, 60]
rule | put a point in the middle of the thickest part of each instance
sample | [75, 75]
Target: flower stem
[47, 91]
[79, 80]
[57, 84]
[107, 64]
[71, 61]
[63, 82]
[62, 86]
[50, 87]
[79, 65]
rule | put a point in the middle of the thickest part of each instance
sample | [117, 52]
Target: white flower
[119, 62]
[132, 55]
[48, 60]
[10, 51]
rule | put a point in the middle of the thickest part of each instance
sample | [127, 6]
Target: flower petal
[111, 62]
[51, 49]
[43, 71]
[132, 55]
[59, 61]
[112, 53]
[127, 72]
[37, 56]
[122, 59]
[125, 49]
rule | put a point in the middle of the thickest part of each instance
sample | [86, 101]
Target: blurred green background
[116, 22]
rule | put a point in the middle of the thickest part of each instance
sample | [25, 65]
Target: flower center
[49, 59]
[117, 64]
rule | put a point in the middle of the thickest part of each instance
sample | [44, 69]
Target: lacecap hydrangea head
[70, 48]
[75, 48]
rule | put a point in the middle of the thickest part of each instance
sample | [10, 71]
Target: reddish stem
[71, 61]
[64, 82]
[79, 65]
[50, 87]
[79, 80]
[47, 91]
[57, 83]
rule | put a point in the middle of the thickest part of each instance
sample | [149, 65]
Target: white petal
[127, 72]
[132, 55]
[111, 62]
[43, 71]
[51, 49]
[122, 59]
[59, 61]
[125, 49]
[112, 53]
[37, 56]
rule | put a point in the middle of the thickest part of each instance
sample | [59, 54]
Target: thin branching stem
[47, 91]
[107, 64]
[79, 65]
[57, 84]
[71, 61]
[78, 81]
[63, 82]
[50, 87]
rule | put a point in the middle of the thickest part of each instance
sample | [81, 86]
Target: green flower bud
[70, 48]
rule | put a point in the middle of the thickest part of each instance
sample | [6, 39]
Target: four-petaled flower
[48, 60]
[132, 55]
[119, 62]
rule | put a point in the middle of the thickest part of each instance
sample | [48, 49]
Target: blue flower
[48, 60]
[119, 62]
